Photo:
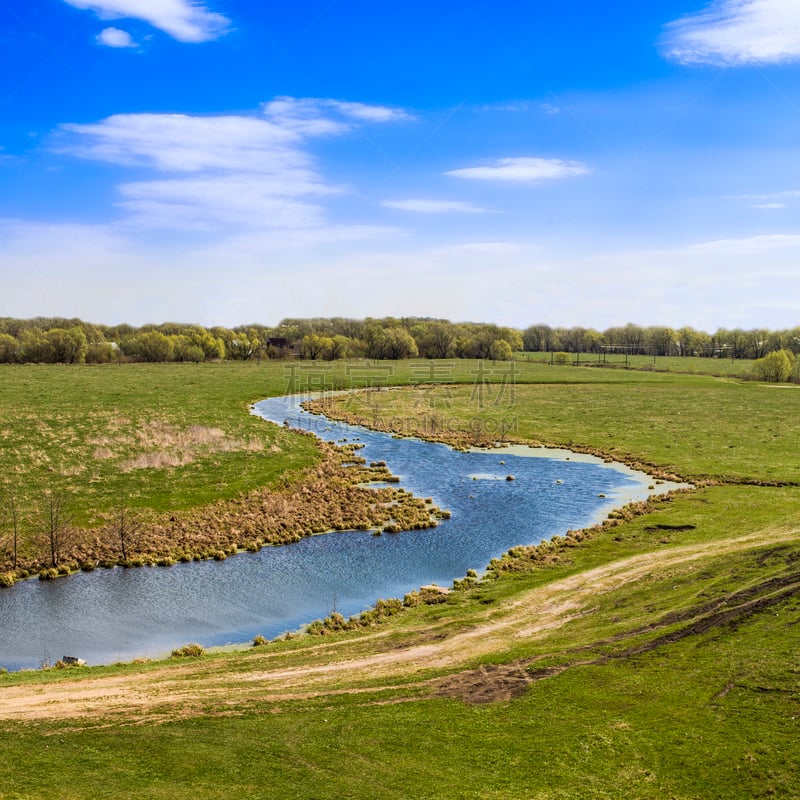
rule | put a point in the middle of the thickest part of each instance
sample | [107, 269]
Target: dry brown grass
[332, 496]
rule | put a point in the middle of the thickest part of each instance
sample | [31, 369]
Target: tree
[123, 528]
[691, 342]
[211, 346]
[661, 341]
[56, 525]
[239, 346]
[500, 351]
[775, 367]
[68, 346]
[513, 337]
[313, 346]
[184, 349]
[34, 348]
[437, 341]
[153, 346]
[8, 348]
[398, 343]
[340, 347]
[538, 338]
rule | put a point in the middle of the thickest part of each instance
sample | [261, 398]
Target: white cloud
[522, 106]
[184, 20]
[114, 37]
[302, 116]
[750, 245]
[522, 169]
[737, 32]
[369, 113]
[421, 206]
[182, 143]
[224, 170]
[312, 115]
[239, 200]
[773, 200]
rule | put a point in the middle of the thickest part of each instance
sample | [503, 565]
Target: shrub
[6, 579]
[260, 641]
[775, 367]
[192, 650]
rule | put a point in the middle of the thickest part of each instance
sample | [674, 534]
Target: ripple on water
[120, 614]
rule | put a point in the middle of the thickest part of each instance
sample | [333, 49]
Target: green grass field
[165, 436]
[689, 365]
[657, 658]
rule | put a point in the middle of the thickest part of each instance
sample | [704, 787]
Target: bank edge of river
[339, 494]
[341, 463]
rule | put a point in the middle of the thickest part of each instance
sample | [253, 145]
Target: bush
[6, 579]
[775, 367]
[192, 650]
[260, 641]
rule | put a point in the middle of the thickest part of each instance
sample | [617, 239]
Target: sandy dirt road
[211, 687]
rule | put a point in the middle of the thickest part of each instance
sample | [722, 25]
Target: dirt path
[212, 687]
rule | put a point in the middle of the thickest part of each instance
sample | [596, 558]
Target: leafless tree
[124, 527]
[57, 526]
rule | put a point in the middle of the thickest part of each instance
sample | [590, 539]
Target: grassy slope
[74, 427]
[711, 714]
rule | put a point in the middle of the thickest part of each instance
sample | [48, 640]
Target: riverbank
[654, 659]
[122, 615]
[335, 495]
[485, 433]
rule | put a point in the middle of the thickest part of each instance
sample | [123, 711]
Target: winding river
[121, 614]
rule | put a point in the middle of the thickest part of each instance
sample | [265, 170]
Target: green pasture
[689, 365]
[699, 427]
[175, 436]
[683, 683]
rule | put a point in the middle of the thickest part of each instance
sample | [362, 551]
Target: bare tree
[124, 527]
[56, 524]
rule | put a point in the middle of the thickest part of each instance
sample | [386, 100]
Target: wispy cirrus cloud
[422, 206]
[315, 116]
[185, 143]
[775, 200]
[232, 170]
[737, 33]
[184, 20]
[115, 37]
[522, 169]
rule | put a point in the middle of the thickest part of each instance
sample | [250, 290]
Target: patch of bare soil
[488, 684]
[209, 687]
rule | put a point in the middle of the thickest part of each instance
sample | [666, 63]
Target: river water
[120, 614]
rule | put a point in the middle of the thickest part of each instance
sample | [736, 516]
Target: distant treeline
[72, 341]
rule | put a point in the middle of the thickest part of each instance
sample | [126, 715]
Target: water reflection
[121, 614]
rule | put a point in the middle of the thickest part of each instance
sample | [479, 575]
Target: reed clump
[336, 495]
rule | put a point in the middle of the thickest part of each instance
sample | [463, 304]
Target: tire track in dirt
[208, 687]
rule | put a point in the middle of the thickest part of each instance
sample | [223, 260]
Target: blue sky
[234, 161]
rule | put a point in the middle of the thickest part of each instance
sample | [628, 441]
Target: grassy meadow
[165, 436]
[656, 656]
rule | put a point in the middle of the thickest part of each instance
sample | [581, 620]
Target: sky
[225, 162]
